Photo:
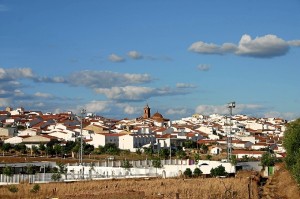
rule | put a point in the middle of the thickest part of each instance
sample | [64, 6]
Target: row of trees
[50, 149]
[291, 143]
[214, 172]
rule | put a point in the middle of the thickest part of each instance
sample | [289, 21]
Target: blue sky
[113, 57]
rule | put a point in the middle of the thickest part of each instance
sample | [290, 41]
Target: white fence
[31, 178]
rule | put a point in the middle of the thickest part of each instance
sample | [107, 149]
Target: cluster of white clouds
[136, 93]
[185, 85]
[118, 88]
[135, 55]
[121, 88]
[223, 110]
[106, 79]
[267, 46]
[203, 67]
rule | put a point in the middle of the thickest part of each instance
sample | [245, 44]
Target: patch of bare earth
[281, 185]
[205, 188]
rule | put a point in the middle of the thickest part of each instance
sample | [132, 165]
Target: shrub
[56, 176]
[188, 172]
[218, 171]
[197, 172]
[13, 188]
[35, 188]
[8, 171]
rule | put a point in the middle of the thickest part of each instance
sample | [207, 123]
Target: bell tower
[146, 114]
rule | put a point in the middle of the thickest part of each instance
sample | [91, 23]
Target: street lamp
[82, 112]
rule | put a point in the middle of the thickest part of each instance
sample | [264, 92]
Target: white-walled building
[134, 141]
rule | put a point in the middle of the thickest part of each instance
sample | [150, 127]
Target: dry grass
[136, 188]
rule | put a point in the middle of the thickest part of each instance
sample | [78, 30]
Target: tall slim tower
[146, 114]
[230, 106]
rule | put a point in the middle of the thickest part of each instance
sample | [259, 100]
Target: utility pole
[230, 106]
[82, 112]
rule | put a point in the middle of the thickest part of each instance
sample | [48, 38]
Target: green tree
[49, 150]
[57, 149]
[164, 153]
[6, 147]
[233, 160]
[180, 154]
[190, 144]
[99, 150]
[208, 157]
[197, 172]
[204, 148]
[268, 159]
[35, 150]
[148, 151]
[156, 163]
[111, 149]
[218, 171]
[42, 148]
[197, 157]
[56, 176]
[21, 147]
[188, 172]
[8, 171]
[126, 164]
[30, 169]
[291, 143]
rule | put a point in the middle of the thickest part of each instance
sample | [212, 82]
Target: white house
[135, 141]
[216, 150]
[102, 139]
[241, 144]
[259, 146]
[249, 154]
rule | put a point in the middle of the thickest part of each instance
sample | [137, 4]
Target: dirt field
[137, 188]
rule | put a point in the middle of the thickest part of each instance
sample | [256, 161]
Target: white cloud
[126, 93]
[50, 79]
[185, 85]
[116, 58]
[266, 46]
[128, 109]
[135, 93]
[179, 111]
[19, 93]
[40, 104]
[294, 43]
[223, 110]
[96, 106]
[283, 115]
[43, 95]
[15, 73]
[204, 67]
[5, 102]
[135, 55]
[106, 79]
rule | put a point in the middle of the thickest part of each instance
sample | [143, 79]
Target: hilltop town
[250, 137]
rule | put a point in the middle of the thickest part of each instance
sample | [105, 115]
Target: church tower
[146, 114]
